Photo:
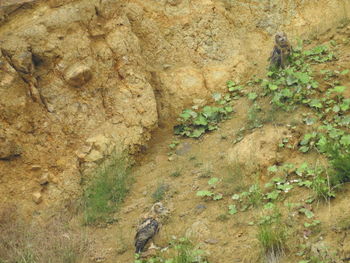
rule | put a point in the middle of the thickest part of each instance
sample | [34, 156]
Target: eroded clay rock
[174, 2]
[23, 61]
[258, 150]
[12, 104]
[58, 3]
[179, 87]
[8, 149]
[77, 75]
[37, 197]
[139, 61]
[199, 230]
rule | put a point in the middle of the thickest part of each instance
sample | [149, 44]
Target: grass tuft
[234, 178]
[254, 117]
[159, 193]
[272, 235]
[53, 241]
[321, 188]
[182, 251]
[176, 174]
[106, 191]
[341, 166]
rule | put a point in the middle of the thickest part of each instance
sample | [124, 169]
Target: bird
[149, 226]
[281, 51]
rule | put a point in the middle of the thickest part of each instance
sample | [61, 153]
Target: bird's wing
[147, 229]
[273, 53]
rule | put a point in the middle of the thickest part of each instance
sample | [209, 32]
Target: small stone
[174, 2]
[35, 167]
[144, 193]
[183, 148]
[201, 206]
[199, 102]
[166, 66]
[44, 179]
[122, 249]
[199, 209]
[211, 241]
[37, 197]
[77, 75]
[198, 229]
[53, 179]
[23, 61]
[8, 149]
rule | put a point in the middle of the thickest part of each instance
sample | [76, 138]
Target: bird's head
[281, 38]
[159, 209]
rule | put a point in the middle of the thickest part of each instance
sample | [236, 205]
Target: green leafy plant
[210, 194]
[235, 90]
[173, 144]
[194, 124]
[313, 224]
[252, 96]
[306, 212]
[308, 142]
[316, 179]
[251, 198]
[232, 209]
[321, 188]
[319, 54]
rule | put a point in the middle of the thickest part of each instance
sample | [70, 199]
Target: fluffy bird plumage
[149, 226]
[281, 51]
[148, 229]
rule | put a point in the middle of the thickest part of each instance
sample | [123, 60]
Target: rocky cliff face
[81, 78]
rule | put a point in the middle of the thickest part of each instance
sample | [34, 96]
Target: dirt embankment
[81, 78]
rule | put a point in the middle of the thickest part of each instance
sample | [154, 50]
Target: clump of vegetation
[254, 197]
[107, 189]
[295, 85]
[321, 188]
[222, 217]
[340, 162]
[344, 223]
[194, 124]
[182, 251]
[210, 194]
[176, 173]
[322, 255]
[272, 235]
[254, 118]
[315, 179]
[234, 179]
[160, 192]
[52, 241]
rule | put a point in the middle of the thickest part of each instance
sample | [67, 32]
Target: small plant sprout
[176, 173]
[209, 193]
[232, 209]
[160, 192]
[174, 144]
